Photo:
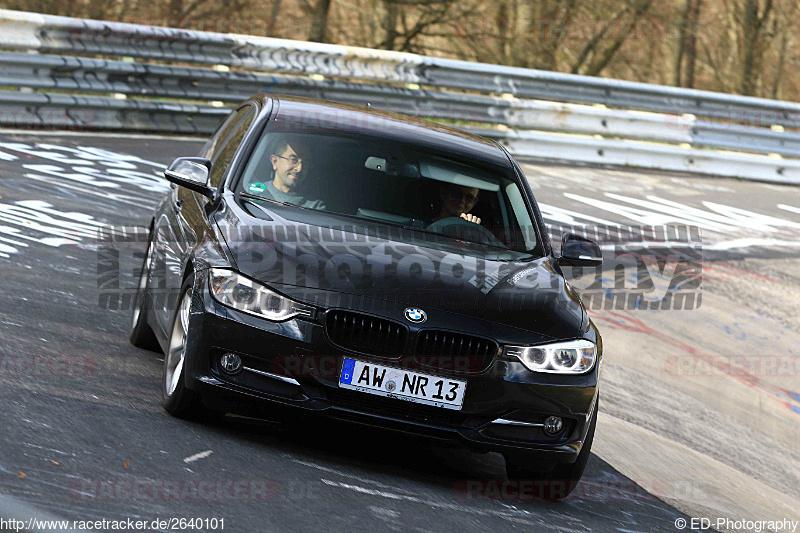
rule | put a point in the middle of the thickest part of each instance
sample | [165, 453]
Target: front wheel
[560, 480]
[177, 399]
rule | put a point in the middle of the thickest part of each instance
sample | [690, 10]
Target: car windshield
[381, 181]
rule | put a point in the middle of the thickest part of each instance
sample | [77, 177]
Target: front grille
[455, 351]
[364, 333]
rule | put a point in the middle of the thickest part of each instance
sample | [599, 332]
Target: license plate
[402, 385]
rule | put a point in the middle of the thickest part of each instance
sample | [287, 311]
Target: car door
[185, 220]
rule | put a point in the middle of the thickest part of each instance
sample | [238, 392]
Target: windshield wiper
[256, 197]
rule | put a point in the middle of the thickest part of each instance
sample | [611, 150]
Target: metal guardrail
[96, 112]
[48, 33]
[627, 153]
[65, 73]
[412, 84]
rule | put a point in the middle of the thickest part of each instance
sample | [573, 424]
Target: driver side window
[214, 146]
[219, 165]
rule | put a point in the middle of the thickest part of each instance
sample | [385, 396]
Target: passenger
[458, 201]
[291, 162]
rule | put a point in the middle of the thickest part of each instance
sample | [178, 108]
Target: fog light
[230, 363]
[553, 425]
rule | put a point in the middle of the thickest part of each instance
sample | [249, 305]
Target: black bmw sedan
[377, 269]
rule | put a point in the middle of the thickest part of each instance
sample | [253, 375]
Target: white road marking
[565, 216]
[751, 219]
[86, 170]
[719, 218]
[115, 197]
[747, 243]
[405, 497]
[380, 512]
[62, 133]
[197, 456]
[47, 449]
[351, 476]
[508, 514]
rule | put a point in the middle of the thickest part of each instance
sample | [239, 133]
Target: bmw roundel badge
[415, 314]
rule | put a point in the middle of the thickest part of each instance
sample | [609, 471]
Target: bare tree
[390, 24]
[691, 42]
[518, 32]
[275, 11]
[686, 57]
[751, 18]
[785, 28]
[600, 50]
[318, 15]
[420, 20]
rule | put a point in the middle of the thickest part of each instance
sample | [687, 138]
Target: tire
[559, 480]
[177, 399]
[141, 334]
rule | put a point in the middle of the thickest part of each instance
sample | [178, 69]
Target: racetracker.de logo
[153, 490]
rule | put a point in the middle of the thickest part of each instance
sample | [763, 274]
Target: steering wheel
[459, 228]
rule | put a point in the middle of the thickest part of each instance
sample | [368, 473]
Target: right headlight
[569, 357]
[234, 290]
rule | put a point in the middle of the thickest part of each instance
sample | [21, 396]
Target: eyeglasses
[468, 197]
[295, 161]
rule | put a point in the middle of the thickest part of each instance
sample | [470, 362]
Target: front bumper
[292, 365]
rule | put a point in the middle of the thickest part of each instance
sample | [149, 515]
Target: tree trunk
[273, 17]
[603, 58]
[390, 23]
[591, 46]
[549, 26]
[503, 38]
[752, 45]
[683, 28]
[319, 24]
[691, 44]
[781, 63]
[677, 68]
[174, 13]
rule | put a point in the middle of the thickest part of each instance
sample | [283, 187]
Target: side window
[522, 216]
[231, 137]
[221, 133]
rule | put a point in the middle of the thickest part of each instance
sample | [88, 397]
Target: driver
[291, 161]
[458, 201]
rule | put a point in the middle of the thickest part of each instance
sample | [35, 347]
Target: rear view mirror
[579, 251]
[393, 167]
[192, 173]
[375, 163]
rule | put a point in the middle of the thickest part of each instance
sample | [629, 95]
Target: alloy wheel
[177, 345]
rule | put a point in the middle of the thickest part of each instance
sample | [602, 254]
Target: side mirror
[579, 251]
[192, 173]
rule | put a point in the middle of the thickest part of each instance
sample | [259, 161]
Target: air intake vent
[455, 351]
[366, 334]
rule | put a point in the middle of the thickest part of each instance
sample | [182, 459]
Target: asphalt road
[680, 434]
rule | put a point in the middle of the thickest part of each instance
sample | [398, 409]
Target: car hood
[358, 267]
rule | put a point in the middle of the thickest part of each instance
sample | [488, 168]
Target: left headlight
[570, 357]
[234, 290]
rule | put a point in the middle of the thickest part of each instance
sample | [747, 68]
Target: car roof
[309, 113]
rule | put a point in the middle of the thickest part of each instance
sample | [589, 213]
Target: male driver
[291, 162]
